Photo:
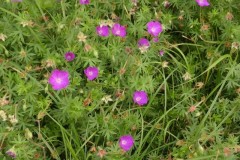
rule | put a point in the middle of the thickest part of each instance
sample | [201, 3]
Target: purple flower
[126, 142]
[91, 73]
[12, 153]
[155, 39]
[154, 28]
[69, 56]
[118, 30]
[143, 42]
[102, 31]
[161, 53]
[84, 1]
[59, 79]
[203, 3]
[140, 97]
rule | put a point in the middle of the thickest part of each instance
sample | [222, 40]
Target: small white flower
[235, 45]
[143, 49]
[27, 23]
[164, 64]
[107, 99]
[187, 76]
[2, 36]
[81, 37]
[12, 119]
[3, 115]
[9, 128]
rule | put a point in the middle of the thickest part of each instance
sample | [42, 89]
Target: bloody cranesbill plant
[119, 30]
[161, 53]
[84, 2]
[91, 73]
[12, 153]
[126, 142]
[59, 79]
[140, 97]
[102, 31]
[69, 56]
[154, 28]
[203, 3]
[143, 42]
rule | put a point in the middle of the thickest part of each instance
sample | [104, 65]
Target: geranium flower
[203, 3]
[161, 53]
[84, 2]
[102, 31]
[91, 73]
[69, 56]
[126, 142]
[59, 79]
[154, 28]
[143, 42]
[119, 30]
[12, 153]
[140, 97]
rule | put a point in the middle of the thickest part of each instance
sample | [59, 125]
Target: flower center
[138, 98]
[153, 29]
[90, 73]
[100, 31]
[124, 142]
[58, 80]
[118, 32]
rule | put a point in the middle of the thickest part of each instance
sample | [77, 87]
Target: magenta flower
[161, 53]
[140, 97]
[154, 28]
[203, 3]
[126, 142]
[91, 73]
[12, 153]
[143, 42]
[69, 56]
[119, 30]
[59, 79]
[84, 2]
[102, 31]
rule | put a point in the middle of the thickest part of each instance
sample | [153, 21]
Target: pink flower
[102, 31]
[154, 28]
[84, 2]
[59, 79]
[161, 53]
[140, 97]
[12, 153]
[202, 3]
[143, 42]
[91, 73]
[119, 30]
[126, 142]
[69, 56]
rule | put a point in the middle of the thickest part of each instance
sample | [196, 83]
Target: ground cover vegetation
[119, 79]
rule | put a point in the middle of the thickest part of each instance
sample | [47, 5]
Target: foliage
[193, 89]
